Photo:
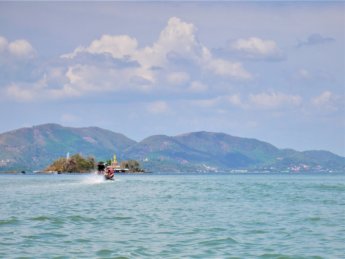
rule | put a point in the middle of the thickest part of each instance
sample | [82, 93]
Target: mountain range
[36, 147]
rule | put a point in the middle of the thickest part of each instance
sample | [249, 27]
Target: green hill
[36, 147]
[209, 151]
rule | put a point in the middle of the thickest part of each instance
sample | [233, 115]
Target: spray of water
[94, 179]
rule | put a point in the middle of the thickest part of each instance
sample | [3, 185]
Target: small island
[79, 164]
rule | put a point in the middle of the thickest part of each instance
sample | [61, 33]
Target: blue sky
[274, 71]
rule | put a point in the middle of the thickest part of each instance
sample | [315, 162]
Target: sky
[274, 71]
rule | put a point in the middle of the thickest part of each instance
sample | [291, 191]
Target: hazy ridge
[35, 147]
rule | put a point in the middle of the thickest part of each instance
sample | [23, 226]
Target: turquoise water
[172, 216]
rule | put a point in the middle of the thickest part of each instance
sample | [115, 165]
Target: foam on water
[97, 179]
[93, 179]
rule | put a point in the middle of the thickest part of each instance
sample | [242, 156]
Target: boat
[106, 171]
[109, 173]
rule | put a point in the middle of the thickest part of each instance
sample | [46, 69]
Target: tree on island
[75, 164]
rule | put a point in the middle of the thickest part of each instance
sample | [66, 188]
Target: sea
[173, 216]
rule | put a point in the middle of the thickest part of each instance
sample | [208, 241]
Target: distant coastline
[29, 149]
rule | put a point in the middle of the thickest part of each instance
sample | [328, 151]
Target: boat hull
[108, 177]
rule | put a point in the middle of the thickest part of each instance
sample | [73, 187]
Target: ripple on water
[48, 221]
[9, 221]
[282, 256]
[79, 218]
[41, 218]
[204, 216]
[122, 218]
[330, 187]
[218, 242]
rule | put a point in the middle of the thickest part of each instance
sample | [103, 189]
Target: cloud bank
[176, 62]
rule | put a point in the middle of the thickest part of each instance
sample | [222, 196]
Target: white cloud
[177, 37]
[257, 48]
[19, 93]
[324, 98]
[327, 102]
[95, 68]
[226, 68]
[21, 48]
[17, 48]
[79, 80]
[274, 100]
[117, 46]
[158, 107]
[25, 92]
[86, 79]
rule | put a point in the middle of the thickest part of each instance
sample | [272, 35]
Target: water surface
[172, 216]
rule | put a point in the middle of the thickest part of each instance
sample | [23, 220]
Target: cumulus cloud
[315, 39]
[226, 68]
[178, 37]
[117, 46]
[177, 61]
[21, 48]
[256, 48]
[18, 48]
[17, 62]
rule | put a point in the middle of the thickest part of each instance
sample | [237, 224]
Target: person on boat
[109, 173]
